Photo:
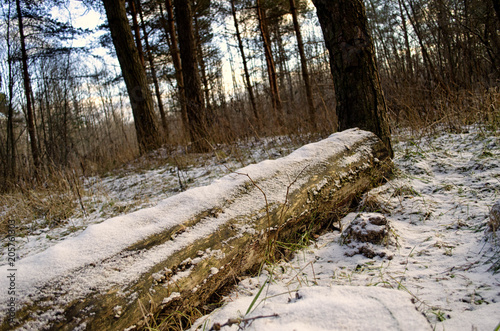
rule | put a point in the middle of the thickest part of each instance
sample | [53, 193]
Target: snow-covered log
[174, 256]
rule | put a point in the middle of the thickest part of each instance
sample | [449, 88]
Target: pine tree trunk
[303, 64]
[169, 27]
[443, 22]
[496, 5]
[360, 102]
[409, 62]
[196, 111]
[203, 69]
[153, 74]
[11, 142]
[134, 75]
[271, 68]
[27, 91]
[245, 66]
[137, 33]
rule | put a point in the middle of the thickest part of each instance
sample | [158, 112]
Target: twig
[233, 321]
[268, 214]
[287, 192]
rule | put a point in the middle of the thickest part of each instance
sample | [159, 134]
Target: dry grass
[424, 110]
[48, 205]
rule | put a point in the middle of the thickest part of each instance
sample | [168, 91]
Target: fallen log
[173, 257]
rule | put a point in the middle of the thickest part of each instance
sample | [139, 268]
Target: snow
[438, 207]
[437, 275]
[128, 189]
[331, 308]
[96, 259]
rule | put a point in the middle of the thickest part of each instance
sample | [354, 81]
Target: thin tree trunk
[11, 143]
[386, 54]
[271, 68]
[409, 62]
[431, 70]
[196, 111]
[496, 5]
[176, 59]
[360, 102]
[137, 33]
[443, 24]
[203, 69]
[153, 73]
[303, 64]
[27, 91]
[245, 66]
[134, 74]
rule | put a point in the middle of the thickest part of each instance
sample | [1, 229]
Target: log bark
[178, 265]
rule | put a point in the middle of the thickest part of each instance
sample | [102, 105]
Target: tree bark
[431, 69]
[303, 65]
[203, 69]
[153, 73]
[30, 113]
[245, 66]
[409, 62]
[196, 111]
[137, 33]
[169, 27]
[360, 102]
[271, 68]
[443, 21]
[11, 142]
[496, 5]
[134, 75]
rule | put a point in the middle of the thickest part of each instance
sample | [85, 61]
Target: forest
[259, 68]
[122, 124]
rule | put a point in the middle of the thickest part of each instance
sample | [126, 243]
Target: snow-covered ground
[438, 207]
[440, 262]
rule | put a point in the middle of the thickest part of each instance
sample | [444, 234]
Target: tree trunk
[409, 62]
[443, 21]
[203, 69]
[496, 5]
[169, 27]
[271, 68]
[134, 75]
[27, 91]
[245, 66]
[303, 64]
[11, 142]
[425, 54]
[196, 111]
[153, 74]
[137, 33]
[360, 102]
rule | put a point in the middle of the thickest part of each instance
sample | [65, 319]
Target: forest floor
[442, 261]
[443, 258]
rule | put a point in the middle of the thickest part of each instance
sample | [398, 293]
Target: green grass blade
[256, 297]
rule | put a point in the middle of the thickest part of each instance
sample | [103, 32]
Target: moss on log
[179, 271]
